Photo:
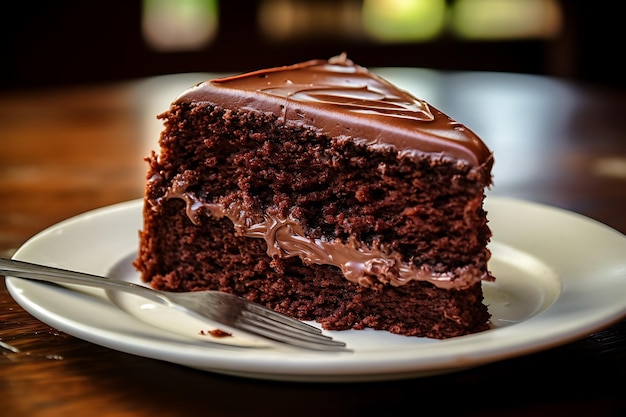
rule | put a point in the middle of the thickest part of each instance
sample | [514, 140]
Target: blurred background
[72, 42]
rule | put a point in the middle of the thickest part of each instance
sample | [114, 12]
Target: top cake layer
[341, 99]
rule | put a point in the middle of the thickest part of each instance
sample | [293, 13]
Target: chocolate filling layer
[359, 263]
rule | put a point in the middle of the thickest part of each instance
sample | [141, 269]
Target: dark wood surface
[67, 151]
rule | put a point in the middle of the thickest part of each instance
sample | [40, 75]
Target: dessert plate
[559, 277]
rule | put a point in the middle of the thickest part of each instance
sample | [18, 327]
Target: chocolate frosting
[341, 99]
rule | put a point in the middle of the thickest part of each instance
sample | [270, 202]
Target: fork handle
[27, 270]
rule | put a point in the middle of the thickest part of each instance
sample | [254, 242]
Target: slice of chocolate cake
[326, 193]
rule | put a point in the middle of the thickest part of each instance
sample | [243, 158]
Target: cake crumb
[215, 333]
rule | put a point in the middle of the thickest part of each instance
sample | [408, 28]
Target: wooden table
[64, 152]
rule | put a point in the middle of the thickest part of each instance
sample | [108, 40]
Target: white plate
[560, 277]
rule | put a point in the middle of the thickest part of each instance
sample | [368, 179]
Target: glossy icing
[341, 99]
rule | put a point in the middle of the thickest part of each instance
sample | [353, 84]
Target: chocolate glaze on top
[341, 99]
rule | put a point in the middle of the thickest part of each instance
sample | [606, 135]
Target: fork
[221, 307]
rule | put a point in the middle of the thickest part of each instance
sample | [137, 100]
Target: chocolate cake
[326, 193]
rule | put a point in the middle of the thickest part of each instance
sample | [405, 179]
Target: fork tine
[281, 318]
[257, 320]
[278, 326]
[246, 305]
[317, 342]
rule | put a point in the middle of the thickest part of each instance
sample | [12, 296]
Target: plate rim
[476, 350]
